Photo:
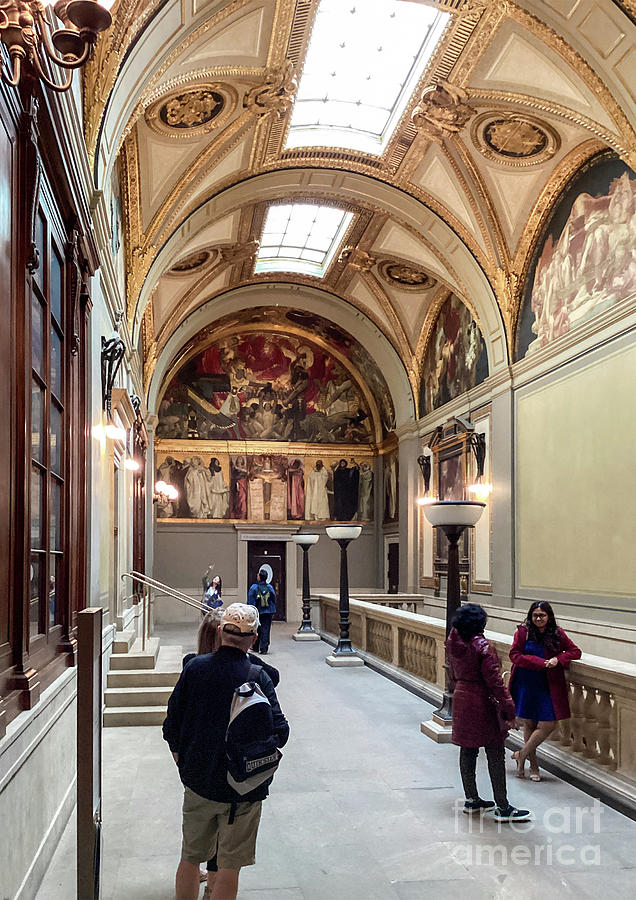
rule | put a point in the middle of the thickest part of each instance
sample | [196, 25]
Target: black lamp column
[344, 654]
[453, 602]
[306, 631]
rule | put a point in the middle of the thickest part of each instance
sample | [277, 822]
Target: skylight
[363, 63]
[301, 237]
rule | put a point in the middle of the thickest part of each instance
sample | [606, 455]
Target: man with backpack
[263, 597]
[217, 819]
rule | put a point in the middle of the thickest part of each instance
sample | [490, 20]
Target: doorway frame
[279, 534]
[388, 540]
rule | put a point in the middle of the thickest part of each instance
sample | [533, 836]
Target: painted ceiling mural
[456, 359]
[585, 261]
[296, 379]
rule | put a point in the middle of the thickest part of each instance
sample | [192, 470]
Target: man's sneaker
[510, 814]
[478, 806]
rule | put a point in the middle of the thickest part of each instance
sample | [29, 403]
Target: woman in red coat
[479, 690]
[541, 651]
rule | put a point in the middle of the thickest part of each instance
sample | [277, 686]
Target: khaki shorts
[206, 832]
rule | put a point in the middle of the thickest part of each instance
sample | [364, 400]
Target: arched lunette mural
[585, 260]
[456, 359]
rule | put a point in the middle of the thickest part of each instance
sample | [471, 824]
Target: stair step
[137, 696]
[134, 715]
[142, 678]
[123, 641]
[137, 658]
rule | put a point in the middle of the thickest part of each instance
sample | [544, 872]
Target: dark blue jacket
[273, 673]
[252, 598]
[198, 715]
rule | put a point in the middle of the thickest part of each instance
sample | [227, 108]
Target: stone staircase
[140, 681]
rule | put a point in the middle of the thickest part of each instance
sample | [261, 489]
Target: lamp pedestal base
[344, 660]
[438, 729]
[305, 636]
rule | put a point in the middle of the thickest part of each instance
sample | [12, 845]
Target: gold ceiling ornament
[514, 139]
[275, 95]
[232, 254]
[191, 263]
[507, 288]
[358, 259]
[442, 110]
[193, 111]
[405, 276]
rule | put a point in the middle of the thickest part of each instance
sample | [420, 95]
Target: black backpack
[251, 745]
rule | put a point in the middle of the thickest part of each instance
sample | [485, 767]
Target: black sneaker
[510, 814]
[478, 806]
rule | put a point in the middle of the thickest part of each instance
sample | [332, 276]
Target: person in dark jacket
[262, 596]
[479, 692]
[209, 641]
[540, 653]
[195, 726]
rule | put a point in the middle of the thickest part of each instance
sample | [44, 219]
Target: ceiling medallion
[514, 139]
[190, 263]
[191, 113]
[405, 276]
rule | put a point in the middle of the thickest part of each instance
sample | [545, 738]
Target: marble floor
[363, 807]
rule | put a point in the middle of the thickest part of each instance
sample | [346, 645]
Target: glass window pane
[55, 564]
[36, 508]
[55, 522]
[57, 286]
[56, 363]
[56, 439]
[40, 243]
[37, 411]
[37, 567]
[37, 334]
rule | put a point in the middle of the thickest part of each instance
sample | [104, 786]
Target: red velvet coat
[556, 676]
[476, 670]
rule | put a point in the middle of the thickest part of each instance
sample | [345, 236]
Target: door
[270, 556]
[393, 570]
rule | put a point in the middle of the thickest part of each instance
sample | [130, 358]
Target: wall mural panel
[585, 261]
[305, 381]
[265, 486]
[456, 359]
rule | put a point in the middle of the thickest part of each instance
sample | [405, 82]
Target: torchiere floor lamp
[306, 631]
[344, 654]
[452, 516]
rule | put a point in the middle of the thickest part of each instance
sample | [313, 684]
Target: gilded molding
[275, 95]
[442, 110]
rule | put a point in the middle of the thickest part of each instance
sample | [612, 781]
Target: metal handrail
[163, 588]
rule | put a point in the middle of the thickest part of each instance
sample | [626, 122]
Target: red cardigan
[556, 676]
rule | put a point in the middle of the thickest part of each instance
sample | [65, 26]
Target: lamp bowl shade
[454, 512]
[344, 532]
[305, 539]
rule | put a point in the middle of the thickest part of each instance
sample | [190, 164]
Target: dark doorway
[394, 567]
[270, 556]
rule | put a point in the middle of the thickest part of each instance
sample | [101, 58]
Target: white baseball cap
[243, 618]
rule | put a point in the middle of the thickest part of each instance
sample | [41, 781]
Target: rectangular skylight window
[301, 237]
[363, 63]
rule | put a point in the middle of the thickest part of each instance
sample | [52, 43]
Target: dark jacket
[556, 676]
[273, 673]
[476, 671]
[253, 600]
[198, 715]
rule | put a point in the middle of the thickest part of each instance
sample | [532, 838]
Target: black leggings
[496, 770]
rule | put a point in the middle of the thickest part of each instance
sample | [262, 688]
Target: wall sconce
[481, 490]
[24, 30]
[164, 493]
[132, 465]
[424, 462]
[113, 350]
[114, 432]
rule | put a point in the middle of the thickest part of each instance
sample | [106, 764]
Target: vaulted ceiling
[187, 109]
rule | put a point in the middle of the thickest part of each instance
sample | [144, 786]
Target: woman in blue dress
[541, 651]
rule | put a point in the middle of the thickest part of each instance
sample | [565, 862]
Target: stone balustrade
[597, 744]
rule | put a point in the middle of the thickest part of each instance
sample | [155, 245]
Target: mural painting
[586, 259]
[456, 358]
[259, 487]
[264, 385]
[391, 484]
